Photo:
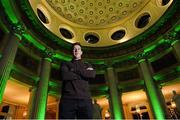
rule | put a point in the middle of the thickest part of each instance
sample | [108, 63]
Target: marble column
[121, 104]
[154, 94]
[41, 95]
[57, 108]
[6, 62]
[117, 111]
[31, 105]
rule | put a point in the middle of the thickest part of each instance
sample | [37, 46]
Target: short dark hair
[76, 43]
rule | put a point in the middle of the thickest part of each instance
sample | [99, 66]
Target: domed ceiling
[93, 13]
[98, 23]
[106, 29]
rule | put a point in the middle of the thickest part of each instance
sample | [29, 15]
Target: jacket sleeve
[66, 74]
[84, 72]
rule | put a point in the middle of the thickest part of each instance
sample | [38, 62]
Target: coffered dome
[98, 23]
[93, 13]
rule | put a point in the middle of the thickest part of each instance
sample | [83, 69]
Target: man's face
[77, 52]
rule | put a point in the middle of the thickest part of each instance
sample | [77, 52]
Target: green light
[158, 77]
[116, 108]
[42, 90]
[34, 42]
[177, 28]
[117, 111]
[62, 57]
[150, 48]
[152, 91]
[19, 70]
[53, 84]
[142, 60]
[103, 88]
[129, 85]
[56, 66]
[178, 68]
[48, 59]
[155, 103]
[8, 7]
[96, 61]
[42, 105]
[153, 47]
[3, 82]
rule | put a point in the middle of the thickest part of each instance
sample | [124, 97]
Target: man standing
[76, 100]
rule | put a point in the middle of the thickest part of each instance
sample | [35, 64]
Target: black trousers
[75, 109]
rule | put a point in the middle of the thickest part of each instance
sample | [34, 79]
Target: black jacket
[75, 76]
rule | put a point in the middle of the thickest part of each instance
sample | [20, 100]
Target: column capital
[48, 59]
[171, 37]
[140, 57]
[109, 64]
[18, 29]
[32, 88]
[48, 54]
[175, 42]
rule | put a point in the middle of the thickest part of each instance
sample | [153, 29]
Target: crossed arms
[69, 73]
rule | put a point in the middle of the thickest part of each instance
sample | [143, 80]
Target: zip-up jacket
[75, 76]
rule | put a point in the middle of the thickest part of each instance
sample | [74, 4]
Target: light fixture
[24, 113]
[138, 109]
[173, 104]
[107, 114]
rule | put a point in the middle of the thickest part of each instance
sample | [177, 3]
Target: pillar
[6, 62]
[41, 94]
[57, 108]
[154, 94]
[117, 111]
[121, 104]
[32, 98]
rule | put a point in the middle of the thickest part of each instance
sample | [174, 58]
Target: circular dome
[101, 17]
[93, 12]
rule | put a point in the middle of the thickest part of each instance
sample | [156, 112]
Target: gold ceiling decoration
[98, 23]
[95, 12]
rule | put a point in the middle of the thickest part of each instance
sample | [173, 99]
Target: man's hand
[89, 68]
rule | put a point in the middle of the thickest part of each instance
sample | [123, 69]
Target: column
[57, 108]
[121, 104]
[110, 106]
[176, 48]
[4, 41]
[41, 94]
[32, 98]
[6, 62]
[154, 94]
[117, 111]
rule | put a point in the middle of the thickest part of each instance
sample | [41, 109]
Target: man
[76, 100]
